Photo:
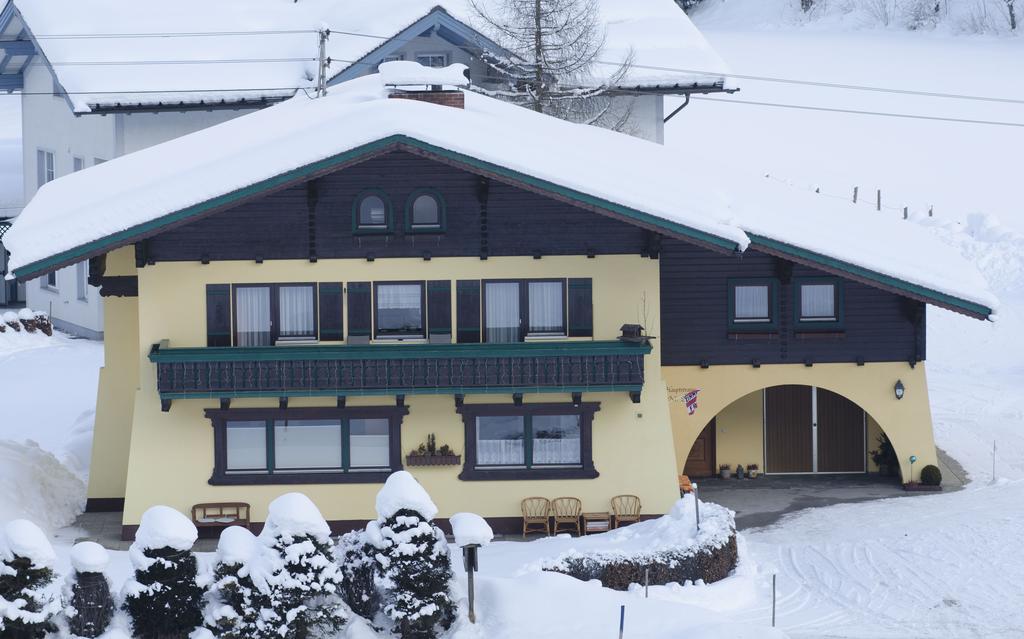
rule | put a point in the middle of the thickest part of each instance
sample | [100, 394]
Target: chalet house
[294, 303]
[94, 87]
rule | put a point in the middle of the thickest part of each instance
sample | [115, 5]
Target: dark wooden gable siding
[315, 220]
[879, 326]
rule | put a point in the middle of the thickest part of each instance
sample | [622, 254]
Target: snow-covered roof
[267, 49]
[117, 202]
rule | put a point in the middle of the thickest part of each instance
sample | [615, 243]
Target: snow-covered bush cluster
[30, 596]
[668, 549]
[26, 320]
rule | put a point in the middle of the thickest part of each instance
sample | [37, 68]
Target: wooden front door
[701, 460]
[788, 430]
[841, 445]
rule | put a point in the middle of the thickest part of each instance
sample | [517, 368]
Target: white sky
[10, 149]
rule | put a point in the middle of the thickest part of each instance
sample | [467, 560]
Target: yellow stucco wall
[118, 380]
[171, 456]
[907, 422]
[739, 435]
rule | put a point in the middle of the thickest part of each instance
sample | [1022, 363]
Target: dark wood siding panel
[277, 226]
[841, 446]
[467, 302]
[581, 307]
[879, 326]
[331, 312]
[789, 445]
[218, 315]
[439, 307]
[360, 309]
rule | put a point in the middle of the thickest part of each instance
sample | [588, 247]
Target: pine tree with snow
[29, 593]
[163, 598]
[412, 559]
[359, 588]
[91, 606]
[304, 581]
[235, 602]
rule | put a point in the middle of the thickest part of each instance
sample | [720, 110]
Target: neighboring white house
[118, 89]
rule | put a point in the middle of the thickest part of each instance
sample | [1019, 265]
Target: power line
[66, 63]
[159, 91]
[182, 34]
[906, 116]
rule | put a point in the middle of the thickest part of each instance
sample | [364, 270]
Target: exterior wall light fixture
[899, 389]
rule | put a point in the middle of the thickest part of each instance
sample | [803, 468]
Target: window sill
[425, 230]
[524, 474]
[824, 333]
[753, 335]
[374, 477]
[419, 339]
[544, 338]
[373, 231]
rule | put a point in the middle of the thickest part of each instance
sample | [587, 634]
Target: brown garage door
[788, 429]
[841, 446]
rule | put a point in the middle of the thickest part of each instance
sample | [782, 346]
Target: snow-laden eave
[733, 242]
[872, 277]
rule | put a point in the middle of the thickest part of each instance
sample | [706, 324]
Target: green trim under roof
[161, 354]
[936, 297]
[132, 234]
[453, 390]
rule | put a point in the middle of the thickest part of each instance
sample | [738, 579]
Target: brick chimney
[449, 98]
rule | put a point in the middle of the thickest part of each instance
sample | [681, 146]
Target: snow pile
[88, 556]
[294, 515]
[401, 491]
[37, 486]
[24, 539]
[470, 528]
[165, 527]
[236, 546]
[406, 72]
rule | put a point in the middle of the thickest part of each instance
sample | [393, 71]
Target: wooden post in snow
[854, 195]
[878, 202]
[904, 212]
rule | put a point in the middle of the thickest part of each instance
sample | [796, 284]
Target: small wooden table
[596, 522]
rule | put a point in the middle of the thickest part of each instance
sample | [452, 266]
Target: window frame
[275, 311]
[389, 224]
[585, 470]
[434, 54]
[77, 163]
[82, 281]
[803, 325]
[219, 419]
[46, 285]
[423, 310]
[754, 326]
[44, 157]
[442, 212]
[525, 334]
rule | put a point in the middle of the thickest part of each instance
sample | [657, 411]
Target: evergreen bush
[931, 475]
[359, 588]
[163, 598]
[235, 603]
[91, 606]
[29, 594]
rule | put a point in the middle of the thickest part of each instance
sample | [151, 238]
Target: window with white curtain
[501, 312]
[501, 440]
[751, 303]
[817, 302]
[400, 312]
[252, 316]
[528, 440]
[546, 302]
[556, 440]
[295, 307]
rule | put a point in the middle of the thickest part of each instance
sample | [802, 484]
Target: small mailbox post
[470, 532]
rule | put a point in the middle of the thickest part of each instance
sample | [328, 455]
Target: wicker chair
[625, 509]
[535, 515]
[685, 485]
[567, 511]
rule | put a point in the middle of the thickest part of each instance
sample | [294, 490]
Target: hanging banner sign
[687, 396]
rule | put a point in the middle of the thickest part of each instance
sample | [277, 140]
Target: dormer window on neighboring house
[372, 213]
[435, 60]
[752, 304]
[818, 303]
[425, 212]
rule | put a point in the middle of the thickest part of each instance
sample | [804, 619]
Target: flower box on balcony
[433, 460]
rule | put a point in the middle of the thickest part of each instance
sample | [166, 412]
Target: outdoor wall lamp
[899, 389]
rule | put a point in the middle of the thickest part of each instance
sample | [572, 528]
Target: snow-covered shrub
[235, 603]
[668, 549]
[920, 14]
[29, 592]
[359, 588]
[163, 598]
[303, 580]
[90, 604]
[11, 319]
[931, 475]
[688, 4]
[42, 322]
[413, 564]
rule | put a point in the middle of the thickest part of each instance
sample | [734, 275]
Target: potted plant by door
[752, 471]
[725, 471]
[885, 457]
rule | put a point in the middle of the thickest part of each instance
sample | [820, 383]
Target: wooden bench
[224, 514]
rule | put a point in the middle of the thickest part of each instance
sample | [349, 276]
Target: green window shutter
[467, 305]
[439, 307]
[218, 315]
[581, 307]
[332, 322]
[360, 309]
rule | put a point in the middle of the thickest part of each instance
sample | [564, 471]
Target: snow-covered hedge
[28, 320]
[668, 549]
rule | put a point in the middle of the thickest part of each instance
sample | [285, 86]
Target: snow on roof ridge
[404, 73]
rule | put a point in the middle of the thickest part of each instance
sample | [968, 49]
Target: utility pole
[323, 63]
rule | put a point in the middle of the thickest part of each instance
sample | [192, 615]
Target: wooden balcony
[399, 369]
